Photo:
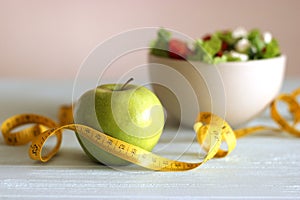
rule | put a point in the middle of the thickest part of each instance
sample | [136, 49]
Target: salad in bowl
[221, 46]
[233, 73]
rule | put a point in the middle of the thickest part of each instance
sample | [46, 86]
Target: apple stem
[125, 84]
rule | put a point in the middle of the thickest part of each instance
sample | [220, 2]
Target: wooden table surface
[265, 164]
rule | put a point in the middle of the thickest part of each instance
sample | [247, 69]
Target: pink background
[49, 39]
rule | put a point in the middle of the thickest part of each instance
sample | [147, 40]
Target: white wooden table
[262, 165]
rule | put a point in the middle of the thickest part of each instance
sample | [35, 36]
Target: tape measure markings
[211, 132]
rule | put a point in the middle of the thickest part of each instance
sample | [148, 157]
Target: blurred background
[49, 39]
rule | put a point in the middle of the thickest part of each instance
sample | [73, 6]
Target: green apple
[127, 112]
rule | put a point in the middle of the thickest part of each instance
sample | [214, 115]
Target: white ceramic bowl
[236, 91]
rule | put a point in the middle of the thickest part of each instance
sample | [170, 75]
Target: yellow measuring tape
[211, 132]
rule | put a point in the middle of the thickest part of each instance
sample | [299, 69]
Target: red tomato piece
[178, 49]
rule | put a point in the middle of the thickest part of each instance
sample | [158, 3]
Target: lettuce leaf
[159, 47]
[213, 45]
[271, 50]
